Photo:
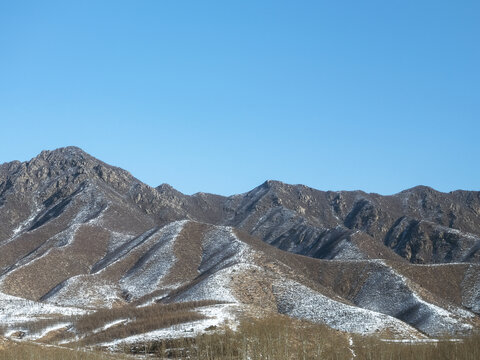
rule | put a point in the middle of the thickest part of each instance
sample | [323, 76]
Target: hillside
[82, 241]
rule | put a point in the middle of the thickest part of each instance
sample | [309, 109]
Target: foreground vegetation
[281, 338]
[131, 321]
[467, 349]
[274, 338]
[31, 351]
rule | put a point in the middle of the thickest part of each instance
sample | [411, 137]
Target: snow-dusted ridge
[149, 270]
[388, 292]
[301, 302]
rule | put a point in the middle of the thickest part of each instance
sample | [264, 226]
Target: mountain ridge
[416, 213]
[79, 233]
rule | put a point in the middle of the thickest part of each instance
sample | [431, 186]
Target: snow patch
[387, 292]
[217, 315]
[350, 347]
[214, 287]
[151, 268]
[44, 332]
[299, 301]
[471, 289]
[83, 291]
[27, 223]
[14, 310]
[109, 325]
[223, 257]
[222, 248]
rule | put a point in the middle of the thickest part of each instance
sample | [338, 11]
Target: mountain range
[79, 236]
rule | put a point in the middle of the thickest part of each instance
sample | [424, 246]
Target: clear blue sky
[218, 96]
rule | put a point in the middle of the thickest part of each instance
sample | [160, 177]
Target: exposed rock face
[420, 224]
[79, 232]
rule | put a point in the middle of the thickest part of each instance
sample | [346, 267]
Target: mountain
[78, 236]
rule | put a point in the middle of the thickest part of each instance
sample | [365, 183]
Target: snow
[118, 251]
[63, 238]
[44, 332]
[299, 301]
[471, 289]
[346, 250]
[222, 248]
[223, 257]
[25, 224]
[350, 347]
[419, 341]
[149, 271]
[109, 325]
[15, 310]
[214, 287]
[284, 220]
[156, 299]
[84, 291]
[94, 208]
[117, 239]
[388, 292]
[217, 315]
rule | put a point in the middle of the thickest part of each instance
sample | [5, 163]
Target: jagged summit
[165, 187]
[419, 224]
[168, 190]
[274, 184]
[419, 189]
[67, 151]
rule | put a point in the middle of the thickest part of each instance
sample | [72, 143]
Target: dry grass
[137, 321]
[140, 320]
[274, 338]
[21, 351]
[281, 338]
[37, 326]
[34, 279]
[371, 348]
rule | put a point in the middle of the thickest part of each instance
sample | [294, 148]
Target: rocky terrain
[80, 237]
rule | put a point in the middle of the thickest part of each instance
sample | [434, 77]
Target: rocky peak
[273, 185]
[166, 189]
[420, 191]
[69, 152]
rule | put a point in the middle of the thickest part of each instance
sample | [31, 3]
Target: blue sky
[218, 96]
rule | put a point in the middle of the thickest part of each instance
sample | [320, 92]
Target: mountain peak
[273, 184]
[168, 189]
[165, 187]
[420, 189]
[68, 152]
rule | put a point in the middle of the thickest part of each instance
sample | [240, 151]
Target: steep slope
[45, 202]
[420, 224]
[232, 268]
